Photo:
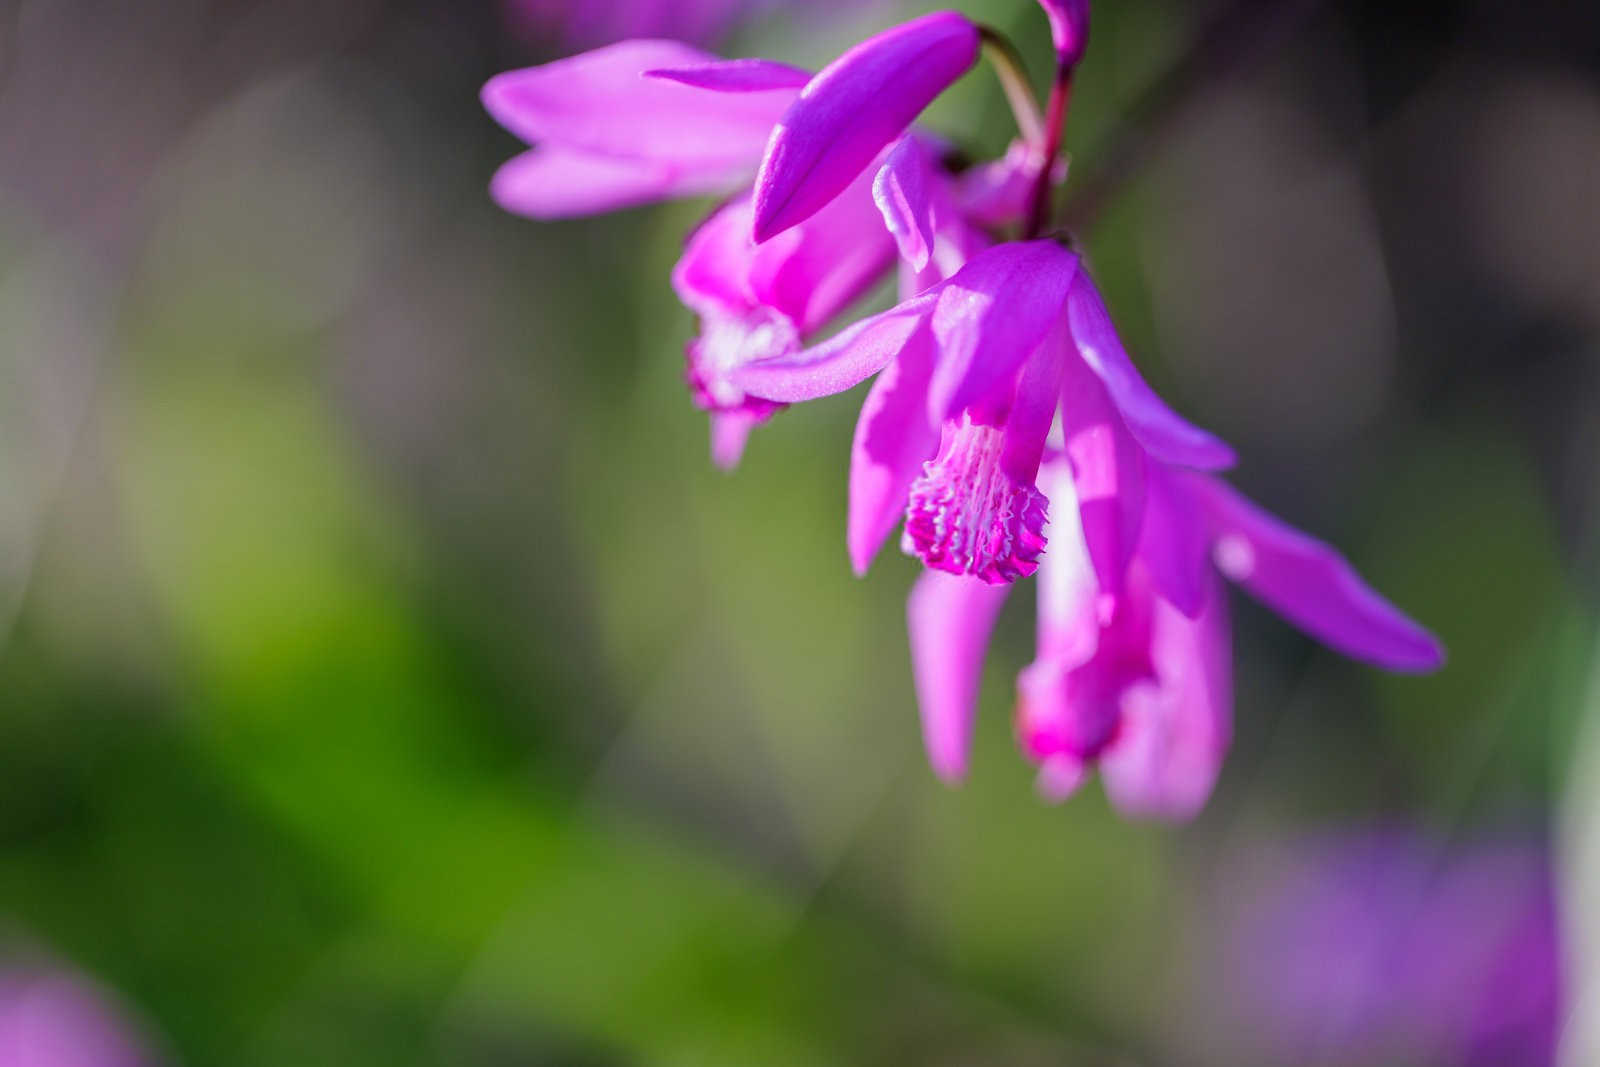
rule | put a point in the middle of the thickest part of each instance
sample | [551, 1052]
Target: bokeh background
[387, 677]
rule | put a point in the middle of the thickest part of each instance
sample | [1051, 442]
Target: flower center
[725, 345]
[968, 516]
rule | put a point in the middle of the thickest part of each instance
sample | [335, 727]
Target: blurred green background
[388, 677]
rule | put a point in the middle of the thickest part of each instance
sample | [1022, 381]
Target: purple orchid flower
[1140, 683]
[763, 301]
[1381, 946]
[952, 434]
[608, 136]
[586, 24]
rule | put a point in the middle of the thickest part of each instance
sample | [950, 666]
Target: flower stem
[1013, 77]
[1055, 120]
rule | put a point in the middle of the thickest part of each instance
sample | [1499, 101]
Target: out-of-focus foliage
[387, 677]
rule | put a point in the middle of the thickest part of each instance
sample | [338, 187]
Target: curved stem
[1013, 77]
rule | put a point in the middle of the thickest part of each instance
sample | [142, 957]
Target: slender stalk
[1013, 77]
[1055, 120]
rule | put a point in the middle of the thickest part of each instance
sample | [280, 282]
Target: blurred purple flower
[591, 23]
[49, 1018]
[1069, 28]
[1381, 947]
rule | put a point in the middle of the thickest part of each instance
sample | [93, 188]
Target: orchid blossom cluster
[1007, 431]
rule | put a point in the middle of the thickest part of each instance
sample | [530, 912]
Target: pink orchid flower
[1140, 684]
[953, 432]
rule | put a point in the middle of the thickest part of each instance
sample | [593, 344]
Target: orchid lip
[967, 515]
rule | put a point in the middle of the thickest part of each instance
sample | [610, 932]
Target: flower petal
[1167, 435]
[1069, 28]
[1310, 584]
[853, 109]
[735, 76]
[1068, 630]
[835, 257]
[904, 192]
[598, 103]
[991, 316]
[841, 362]
[893, 439]
[713, 274]
[949, 619]
[1108, 473]
[553, 183]
[730, 430]
[1176, 730]
[1173, 541]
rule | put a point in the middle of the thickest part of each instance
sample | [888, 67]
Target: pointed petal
[1176, 730]
[841, 362]
[893, 439]
[852, 110]
[553, 183]
[598, 103]
[904, 193]
[735, 76]
[992, 315]
[949, 620]
[1167, 435]
[1310, 584]
[1068, 630]
[730, 430]
[1173, 541]
[1108, 473]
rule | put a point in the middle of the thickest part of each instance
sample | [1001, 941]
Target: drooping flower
[1381, 945]
[764, 301]
[607, 135]
[952, 434]
[1139, 683]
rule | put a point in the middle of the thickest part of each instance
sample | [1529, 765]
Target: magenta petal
[1174, 542]
[598, 103]
[735, 76]
[1310, 584]
[992, 315]
[852, 110]
[1069, 28]
[1167, 435]
[904, 193]
[1060, 777]
[551, 183]
[713, 274]
[841, 362]
[1108, 468]
[1176, 730]
[949, 619]
[816, 270]
[730, 431]
[893, 439]
[1068, 630]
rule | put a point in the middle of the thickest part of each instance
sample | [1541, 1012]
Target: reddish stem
[1055, 120]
